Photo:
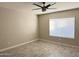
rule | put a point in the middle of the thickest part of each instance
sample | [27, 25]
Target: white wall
[17, 24]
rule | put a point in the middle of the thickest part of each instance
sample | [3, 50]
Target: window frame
[62, 36]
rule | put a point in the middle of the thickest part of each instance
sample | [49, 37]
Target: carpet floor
[41, 49]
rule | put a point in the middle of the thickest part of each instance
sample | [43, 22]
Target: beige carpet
[41, 49]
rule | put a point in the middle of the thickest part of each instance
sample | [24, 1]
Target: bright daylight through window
[62, 27]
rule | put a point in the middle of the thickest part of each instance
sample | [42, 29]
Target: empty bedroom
[39, 29]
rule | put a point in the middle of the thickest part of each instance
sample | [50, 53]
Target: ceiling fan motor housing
[43, 9]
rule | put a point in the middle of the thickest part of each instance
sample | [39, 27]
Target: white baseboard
[59, 43]
[4, 49]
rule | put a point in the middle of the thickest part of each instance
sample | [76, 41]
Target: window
[62, 27]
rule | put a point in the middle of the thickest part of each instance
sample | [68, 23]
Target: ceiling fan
[44, 7]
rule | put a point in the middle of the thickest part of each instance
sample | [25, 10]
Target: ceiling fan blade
[50, 5]
[37, 5]
[36, 9]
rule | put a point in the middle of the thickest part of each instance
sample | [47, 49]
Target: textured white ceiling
[25, 6]
[60, 6]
